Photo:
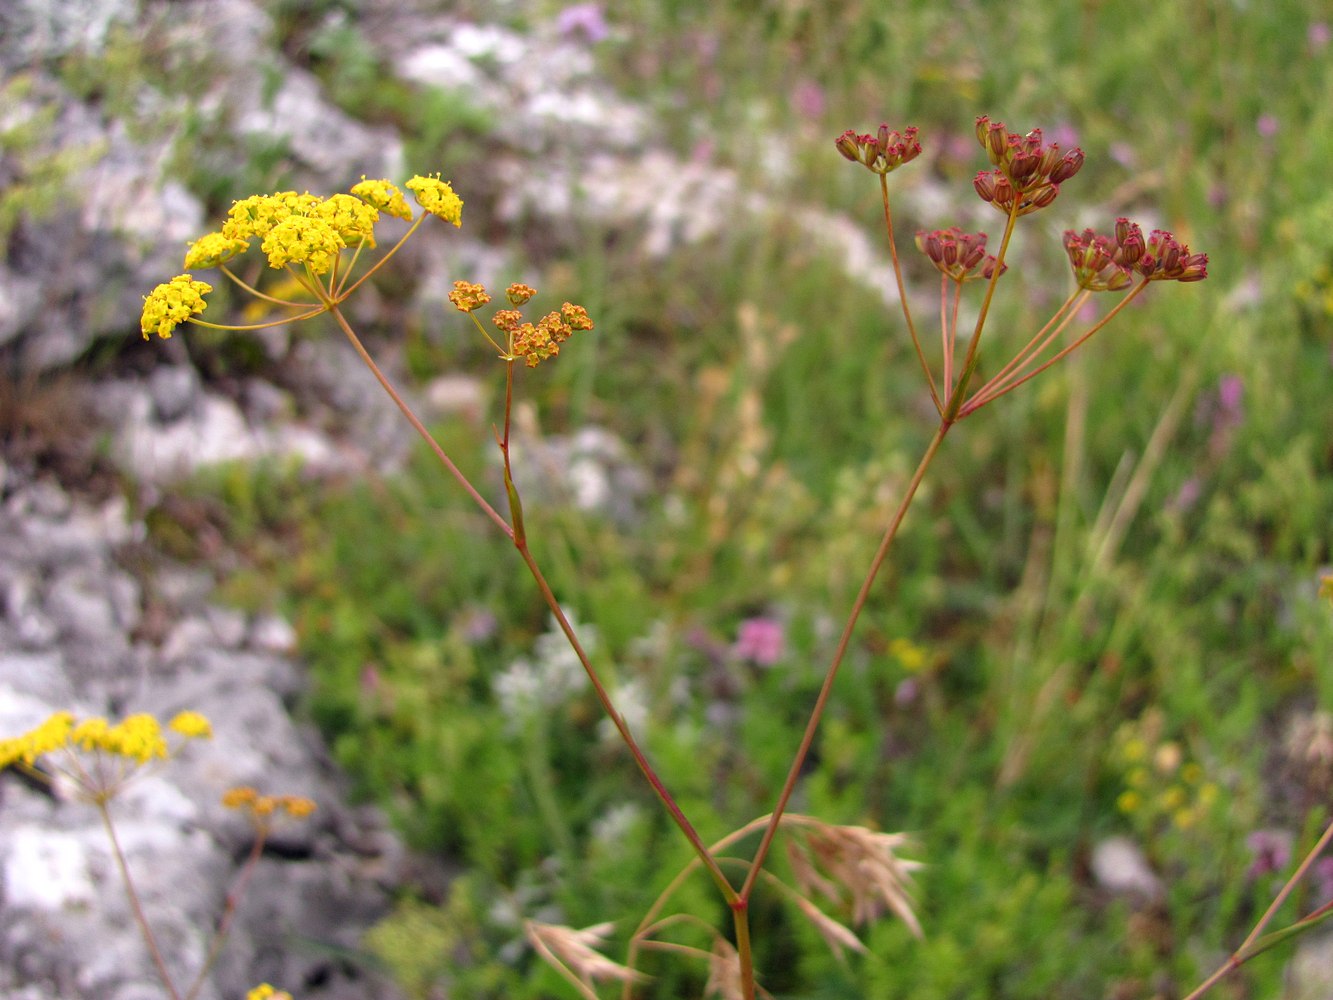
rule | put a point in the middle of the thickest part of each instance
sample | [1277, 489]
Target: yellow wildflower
[89, 734]
[384, 196]
[351, 218]
[909, 654]
[575, 317]
[191, 725]
[214, 249]
[138, 737]
[519, 294]
[266, 992]
[238, 797]
[466, 296]
[172, 303]
[437, 198]
[299, 239]
[297, 806]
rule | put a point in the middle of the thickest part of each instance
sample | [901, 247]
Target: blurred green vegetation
[1126, 552]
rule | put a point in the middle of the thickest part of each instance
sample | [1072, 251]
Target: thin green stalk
[419, 427]
[817, 713]
[955, 400]
[1253, 944]
[229, 912]
[517, 536]
[604, 698]
[902, 294]
[139, 917]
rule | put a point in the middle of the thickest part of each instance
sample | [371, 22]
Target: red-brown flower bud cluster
[1167, 259]
[1107, 263]
[958, 255]
[1027, 174]
[883, 152]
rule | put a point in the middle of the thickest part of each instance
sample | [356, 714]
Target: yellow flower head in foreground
[172, 303]
[384, 196]
[116, 749]
[299, 239]
[437, 198]
[260, 213]
[466, 296]
[266, 992]
[351, 218]
[214, 249]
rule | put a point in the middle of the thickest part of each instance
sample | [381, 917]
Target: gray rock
[66, 930]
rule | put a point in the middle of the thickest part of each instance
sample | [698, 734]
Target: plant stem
[817, 713]
[418, 426]
[902, 295]
[518, 537]
[1253, 944]
[140, 918]
[229, 911]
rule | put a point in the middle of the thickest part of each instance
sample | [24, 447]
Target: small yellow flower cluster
[384, 196]
[136, 737]
[536, 343]
[911, 656]
[266, 992]
[468, 297]
[1161, 786]
[293, 229]
[213, 250]
[261, 807]
[134, 741]
[519, 294]
[437, 198]
[172, 303]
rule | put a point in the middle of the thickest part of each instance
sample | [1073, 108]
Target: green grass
[1065, 583]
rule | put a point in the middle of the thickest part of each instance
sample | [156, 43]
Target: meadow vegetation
[1101, 617]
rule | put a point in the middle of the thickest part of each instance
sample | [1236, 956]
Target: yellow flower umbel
[172, 303]
[437, 198]
[96, 755]
[383, 196]
[304, 234]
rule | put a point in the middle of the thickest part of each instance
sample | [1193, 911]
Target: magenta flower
[584, 19]
[762, 641]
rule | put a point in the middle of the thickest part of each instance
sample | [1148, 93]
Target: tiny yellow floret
[519, 294]
[466, 296]
[239, 797]
[266, 992]
[191, 725]
[384, 196]
[138, 737]
[213, 250]
[172, 303]
[297, 806]
[299, 239]
[351, 218]
[437, 198]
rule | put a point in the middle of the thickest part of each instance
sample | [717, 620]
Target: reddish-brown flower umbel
[957, 254]
[1167, 259]
[1094, 260]
[1027, 174]
[883, 152]
[1106, 263]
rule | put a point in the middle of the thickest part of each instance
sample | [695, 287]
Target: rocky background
[126, 127]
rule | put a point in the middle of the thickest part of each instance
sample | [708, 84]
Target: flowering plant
[840, 876]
